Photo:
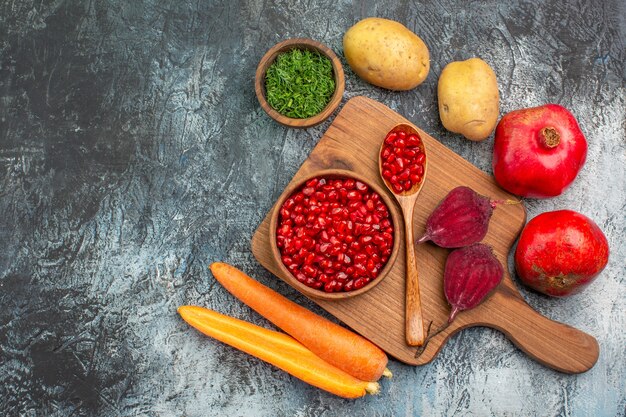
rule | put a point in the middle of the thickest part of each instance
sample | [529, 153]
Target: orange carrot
[338, 346]
[277, 349]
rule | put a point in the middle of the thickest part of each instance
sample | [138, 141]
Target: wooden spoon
[413, 308]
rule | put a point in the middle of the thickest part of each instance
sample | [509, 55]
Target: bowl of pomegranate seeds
[333, 234]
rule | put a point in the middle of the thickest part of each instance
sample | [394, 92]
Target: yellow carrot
[338, 346]
[278, 349]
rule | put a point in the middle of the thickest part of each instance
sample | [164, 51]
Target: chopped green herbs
[299, 83]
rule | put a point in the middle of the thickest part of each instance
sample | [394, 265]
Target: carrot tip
[372, 388]
[387, 373]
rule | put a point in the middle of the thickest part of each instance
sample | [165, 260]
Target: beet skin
[470, 275]
[460, 219]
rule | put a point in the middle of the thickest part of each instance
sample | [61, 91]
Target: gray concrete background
[133, 153]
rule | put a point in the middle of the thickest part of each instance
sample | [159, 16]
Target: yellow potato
[468, 98]
[387, 54]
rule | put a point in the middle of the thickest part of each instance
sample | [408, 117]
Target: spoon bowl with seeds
[402, 164]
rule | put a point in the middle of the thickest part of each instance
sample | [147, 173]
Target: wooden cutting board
[352, 142]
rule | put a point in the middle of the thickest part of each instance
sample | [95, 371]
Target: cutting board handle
[551, 343]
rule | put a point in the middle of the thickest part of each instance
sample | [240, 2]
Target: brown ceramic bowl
[312, 292]
[268, 59]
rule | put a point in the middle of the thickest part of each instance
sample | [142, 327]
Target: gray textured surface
[133, 153]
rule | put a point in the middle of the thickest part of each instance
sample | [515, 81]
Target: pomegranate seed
[408, 153]
[359, 270]
[284, 230]
[310, 271]
[359, 283]
[353, 195]
[413, 140]
[402, 135]
[390, 138]
[341, 276]
[378, 240]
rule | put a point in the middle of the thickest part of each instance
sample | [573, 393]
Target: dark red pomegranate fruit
[471, 274]
[560, 253]
[402, 160]
[538, 152]
[334, 234]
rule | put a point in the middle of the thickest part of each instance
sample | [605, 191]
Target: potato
[387, 54]
[468, 98]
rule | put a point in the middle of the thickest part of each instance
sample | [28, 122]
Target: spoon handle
[413, 313]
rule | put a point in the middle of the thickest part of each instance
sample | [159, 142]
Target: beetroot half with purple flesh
[470, 275]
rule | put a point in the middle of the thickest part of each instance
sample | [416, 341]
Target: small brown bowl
[268, 59]
[312, 292]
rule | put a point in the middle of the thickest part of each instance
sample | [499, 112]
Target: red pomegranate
[560, 252]
[538, 151]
